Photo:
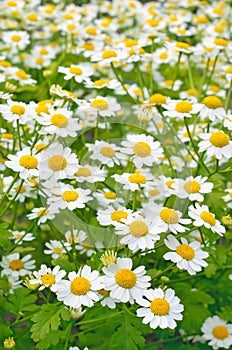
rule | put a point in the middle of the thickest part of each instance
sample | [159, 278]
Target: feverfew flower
[161, 308]
[216, 144]
[218, 332]
[212, 108]
[79, 72]
[106, 153]
[47, 277]
[102, 106]
[142, 150]
[124, 284]
[111, 216]
[181, 109]
[192, 188]
[188, 256]
[170, 219]
[15, 266]
[56, 248]
[80, 288]
[24, 162]
[135, 181]
[202, 217]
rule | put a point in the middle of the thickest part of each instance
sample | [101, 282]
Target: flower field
[116, 165]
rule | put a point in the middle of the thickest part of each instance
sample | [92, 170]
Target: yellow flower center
[185, 251]
[100, 82]
[220, 42]
[137, 178]
[8, 136]
[118, 215]
[32, 17]
[157, 99]
[39, 61]
[16, 38]
[125, 278]
[88, 46]
[182, 45]
[192, 186]
[42, 212]
[109, 54]
[71, 27]
[16, 264]
[67, 16]
[130, 42]
[22, 190]
[152, 22]
[107, 151]
[163, 56]
[40, 146]
[59, 120]
[100, 104]
[169, 183]
[208, 217]
[160, 307]
[48, 279]
[219, 139]
[220, 332]
[5, 64]
[168, 82]
[75, 70]
[142, 149]
[110, 195]
[212, 102]
[83, 172]
[169, 216]
[11, 3]
[17, 109]
[91, 31]
[229, 70]
[183, 107]
[57, 163]
[21, 74]
[80, 286]
[70, 196]
[193, 92]
[28, 162]
[154, 192]
[138, 229]
[57, 250]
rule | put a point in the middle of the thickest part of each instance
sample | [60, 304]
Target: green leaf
[64, 264]
[226, 314]
[52, 338]
[48, 319]
[4, 284]
[5, 241]
[21, 300]
[210, 270]
[128, 335]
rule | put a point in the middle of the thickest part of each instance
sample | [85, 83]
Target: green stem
[12, 200]
[228, 97]
[100, 319]
[19, 137]
[122, 83]
[190, 74]
[177, 69]
[163, 271]
[9, 188]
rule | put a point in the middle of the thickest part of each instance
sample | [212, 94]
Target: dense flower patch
[116, 189]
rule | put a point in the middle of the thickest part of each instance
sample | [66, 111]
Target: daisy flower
[59, 122]
[66, 196]
[142, 150]
[165, 185]
[75, 237]
[16, 39]
[188, 256]
[108, 56]
[15, 266]
[102, 106]
[24, 162]
[138, 232]
[58, 162]
[212, 108]
[202, 217]
[228, 197]
[111, 216]
[22, 236]
[106, 197]
[181, 109]
[22, 77]
[170, 219]
[135, 181]
[47, 277]
[102, 83]
[192, 188]
[218, 332]
[55, 248]
[106, 153]
[160, 308]
[90, 174]
[42, 214]
[80, 288]
[216, 144]
[15, 111]
[79, 72]
[123, 283]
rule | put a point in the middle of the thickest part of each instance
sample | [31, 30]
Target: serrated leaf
[128, 336]
[20, 249]
[5, 236]
[52, 338]
[48, 319]
[21, 300]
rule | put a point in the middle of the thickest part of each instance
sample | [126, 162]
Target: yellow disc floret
[208, 217]
[57, 162]
[70, 196]
[107, 151]
[160, 307]
[192, 186]
[220, 332]
[137, 178]
[80, 286]
[118, 215]
[125, 278]
[75, 70]
[28, 162]
[17, 109]
[16, 264]
[138, 229]
[185, 251]
[212, 102]
[169, 216]
[59, 120]
[183, 107]
[100, 104]
[142, 149]
[219, 139]
[48, 279]
[157, 99]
